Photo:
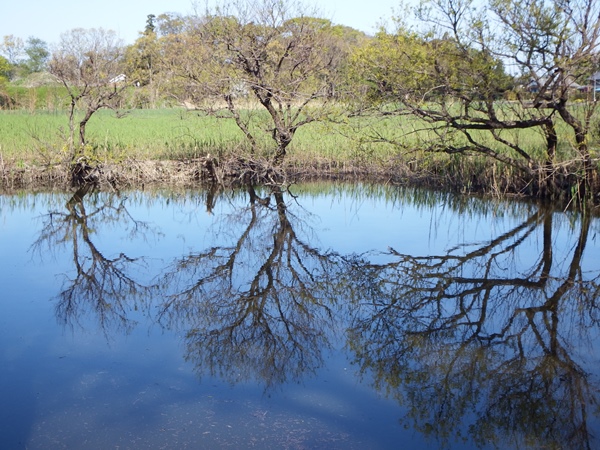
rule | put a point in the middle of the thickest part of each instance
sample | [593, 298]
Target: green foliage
[47, 97]
[142, 59]
[150, 25]
[451, 75]
[37, 55]
[391, 65]
[11, 47]
[405, 65]
[169, 24]
[5, 70]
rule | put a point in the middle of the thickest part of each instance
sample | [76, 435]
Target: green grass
[176, 133]
[151, 134]
[49, 98]
[160, 134]
[38, 138]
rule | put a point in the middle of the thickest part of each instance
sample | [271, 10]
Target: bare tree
[261, 53]
[13, 48]
[88, 63]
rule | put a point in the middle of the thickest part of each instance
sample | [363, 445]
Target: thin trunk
[282, 133]
[547, 184]
[281, 152]
[240, 123]
[587, 180]
[72, 128]
[547, 252]
[82, 126]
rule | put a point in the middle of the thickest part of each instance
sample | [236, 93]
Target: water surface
[326, 316]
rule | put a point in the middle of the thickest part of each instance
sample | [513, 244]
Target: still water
[326, 316]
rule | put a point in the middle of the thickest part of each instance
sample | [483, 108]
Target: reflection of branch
[102, 285]
[259, 307]
[473, 333]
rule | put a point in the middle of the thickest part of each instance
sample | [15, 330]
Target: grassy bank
[37, 141]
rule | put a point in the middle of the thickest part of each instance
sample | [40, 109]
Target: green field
[177, 133]
[153, 134]
[161, 134]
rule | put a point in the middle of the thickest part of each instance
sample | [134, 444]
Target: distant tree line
[22, 58]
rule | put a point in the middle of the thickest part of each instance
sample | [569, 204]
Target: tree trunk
[82, 125]
[548, 186]
[587, 180]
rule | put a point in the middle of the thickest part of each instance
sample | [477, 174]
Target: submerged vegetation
[266, 92]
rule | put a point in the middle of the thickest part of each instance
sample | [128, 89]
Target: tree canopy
[5, 69]
[462, 72]
[287, 64]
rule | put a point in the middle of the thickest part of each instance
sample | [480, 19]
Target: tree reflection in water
[484, 342]
[477, 347]
[104, 287]
[259, 307]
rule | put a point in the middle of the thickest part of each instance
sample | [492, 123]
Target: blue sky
[47, 19]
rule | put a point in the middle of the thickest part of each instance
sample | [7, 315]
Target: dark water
[324, 317]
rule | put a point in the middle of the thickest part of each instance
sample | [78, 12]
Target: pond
[323, 316]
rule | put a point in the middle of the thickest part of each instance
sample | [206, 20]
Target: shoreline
[197, 173]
